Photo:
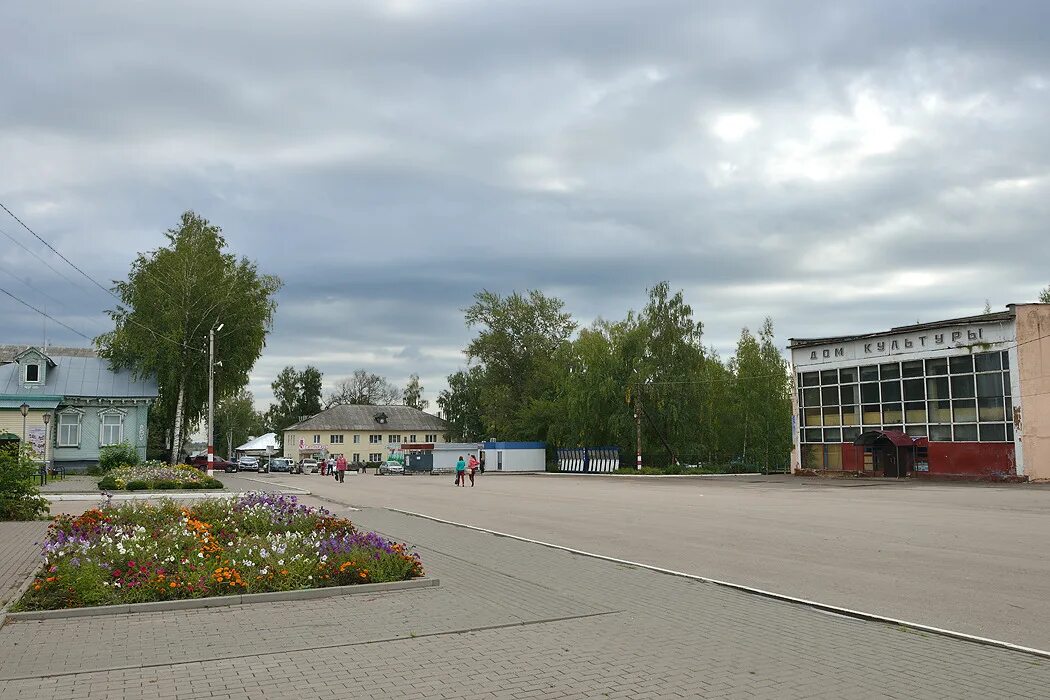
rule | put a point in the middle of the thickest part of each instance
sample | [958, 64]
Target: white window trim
[25, 373]
[102, 425]
[79, 415]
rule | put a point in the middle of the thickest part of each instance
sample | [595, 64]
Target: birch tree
[172, 298]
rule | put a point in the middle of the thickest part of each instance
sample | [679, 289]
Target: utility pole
[638, 427]
[211, 399]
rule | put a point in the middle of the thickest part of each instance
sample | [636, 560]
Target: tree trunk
[176, 443]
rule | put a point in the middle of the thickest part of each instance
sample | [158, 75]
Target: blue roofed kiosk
[88, 404]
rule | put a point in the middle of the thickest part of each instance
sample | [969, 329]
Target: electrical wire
[44, 314]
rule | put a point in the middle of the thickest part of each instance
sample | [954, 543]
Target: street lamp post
[47, 441]
[211, 398]
[24, 408]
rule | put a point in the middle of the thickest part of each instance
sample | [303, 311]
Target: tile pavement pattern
[19, 555]
[511, 620]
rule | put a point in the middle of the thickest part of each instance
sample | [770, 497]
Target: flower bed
[157, 476]
[256, 543]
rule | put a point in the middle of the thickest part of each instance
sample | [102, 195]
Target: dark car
[280, 464]
[201, 462]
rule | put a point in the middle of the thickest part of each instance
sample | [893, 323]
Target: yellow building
[362, 434]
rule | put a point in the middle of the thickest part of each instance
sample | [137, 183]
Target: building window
[111, 429]
[412, 439]
[357, 439]
[335, 439]
[375, 457]
[357, 458]
[317, 439]
[375, 439]
[69, 430]
[32, 374]
[394, 439]
[430, 437]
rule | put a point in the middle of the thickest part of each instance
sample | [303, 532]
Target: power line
[45, 315]
[120, 302]
[45, 262]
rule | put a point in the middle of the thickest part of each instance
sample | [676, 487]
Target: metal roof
[33, 403]
[9, 352]
[982, 318]
[78, 376]
[363, 418]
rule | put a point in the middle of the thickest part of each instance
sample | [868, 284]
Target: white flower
[200, 555]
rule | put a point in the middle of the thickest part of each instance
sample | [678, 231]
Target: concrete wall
[1032, 416]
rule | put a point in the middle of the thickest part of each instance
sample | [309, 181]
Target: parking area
[967, 557]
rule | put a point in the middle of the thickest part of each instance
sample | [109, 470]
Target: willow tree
[173, 297]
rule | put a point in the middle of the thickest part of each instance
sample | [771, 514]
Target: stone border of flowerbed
[221, 600]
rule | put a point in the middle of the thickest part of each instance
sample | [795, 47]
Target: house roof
[914, 328]
[363, 418]
[8, 353]
[259, 443]
[79, 375]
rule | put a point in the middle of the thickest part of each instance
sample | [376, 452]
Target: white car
[250, 464]
[308, 465]
[391, 468]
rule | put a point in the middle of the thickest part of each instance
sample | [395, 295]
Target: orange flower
[173, 584]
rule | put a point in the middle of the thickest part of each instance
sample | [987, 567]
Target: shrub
[20, 498]
[137, 485]
[212, 484]
[108, 483]
[112, 456]
[191, 485]
[166, 485]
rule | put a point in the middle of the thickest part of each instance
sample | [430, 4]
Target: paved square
[511, 620]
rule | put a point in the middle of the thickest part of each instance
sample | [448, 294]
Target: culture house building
[965, 398]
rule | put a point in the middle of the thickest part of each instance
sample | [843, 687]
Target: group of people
[335, 467]
[464, 469]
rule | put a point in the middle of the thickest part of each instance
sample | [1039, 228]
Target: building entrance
[893, 452]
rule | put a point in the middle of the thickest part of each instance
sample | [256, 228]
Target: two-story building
[362, 433]
[74, 403]
[965, 398]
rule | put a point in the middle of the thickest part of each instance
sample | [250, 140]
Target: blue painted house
[74, 403]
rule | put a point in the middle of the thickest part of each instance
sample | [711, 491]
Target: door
[886, 459]
[499, 461]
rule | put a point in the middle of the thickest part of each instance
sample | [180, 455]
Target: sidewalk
[19, 555]
[511, 619]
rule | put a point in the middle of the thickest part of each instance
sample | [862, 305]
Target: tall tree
[236, 420]
[173, 297]
[364, 388]
[296, 395]
[519, 337]
[763, 399]
[413, 394]
[460, 405]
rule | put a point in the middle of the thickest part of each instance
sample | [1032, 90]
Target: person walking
[322, 466]
[472, 466]
[461, 471]
[340, 468]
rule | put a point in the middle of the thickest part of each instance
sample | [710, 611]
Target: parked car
[201, 462]
[251, 464]
[391, 468]
[309, 465]
[280, 464]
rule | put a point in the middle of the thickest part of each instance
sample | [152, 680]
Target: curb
[644, 476]
[221, 601]
[825, 607]
[142, 495]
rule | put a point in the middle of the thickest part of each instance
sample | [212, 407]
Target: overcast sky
[839, 166]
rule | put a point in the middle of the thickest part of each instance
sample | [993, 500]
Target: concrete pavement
[972, 558]
[511, 620]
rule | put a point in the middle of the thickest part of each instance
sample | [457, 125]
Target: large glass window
[962, 387]
[929, 397]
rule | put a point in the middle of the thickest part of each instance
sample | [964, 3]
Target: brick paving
[19, 555]
[511, 620]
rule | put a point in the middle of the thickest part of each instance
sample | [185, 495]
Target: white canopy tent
[261, 446]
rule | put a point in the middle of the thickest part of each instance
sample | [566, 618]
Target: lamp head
[24, 408]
